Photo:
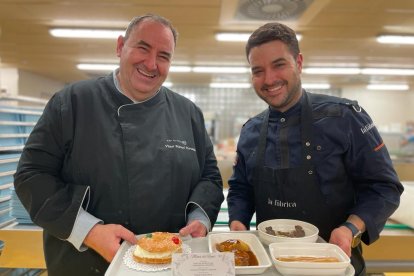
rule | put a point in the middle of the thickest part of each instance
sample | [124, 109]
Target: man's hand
[342, 237]
[106, 239]
[195, 228]
[236, 225]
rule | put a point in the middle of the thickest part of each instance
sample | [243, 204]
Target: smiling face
[276, 74]
[145, 59]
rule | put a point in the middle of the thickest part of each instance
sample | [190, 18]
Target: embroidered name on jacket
[283, 204]
[177, 144]
[367, 128]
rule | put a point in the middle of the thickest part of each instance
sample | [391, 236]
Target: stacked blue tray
[5, 215]
[8, 164]
[16, 123]
[17, 210]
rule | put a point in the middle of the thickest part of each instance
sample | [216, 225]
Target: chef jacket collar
[118, 87]
[294, 110]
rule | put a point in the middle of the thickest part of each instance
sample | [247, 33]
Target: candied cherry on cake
[175, 240]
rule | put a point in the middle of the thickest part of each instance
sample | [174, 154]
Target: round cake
[157, 248]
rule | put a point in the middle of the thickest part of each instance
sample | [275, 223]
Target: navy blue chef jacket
[351, 166]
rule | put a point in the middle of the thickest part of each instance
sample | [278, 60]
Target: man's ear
[299, 62]
[119, 45]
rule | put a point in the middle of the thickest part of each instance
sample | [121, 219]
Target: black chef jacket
[134, 164]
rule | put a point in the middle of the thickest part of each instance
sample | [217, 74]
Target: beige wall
[9, 78]
[388, 109]
[34, 85]
[14, 81]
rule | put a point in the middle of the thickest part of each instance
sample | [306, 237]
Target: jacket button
[308, 157]
[310, 172]
[282, 120]
[307, 144]
[318, 147]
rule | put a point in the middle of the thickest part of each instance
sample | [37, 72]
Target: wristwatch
[356, 233]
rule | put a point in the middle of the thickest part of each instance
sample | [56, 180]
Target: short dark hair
[270, 32]
[157, 18]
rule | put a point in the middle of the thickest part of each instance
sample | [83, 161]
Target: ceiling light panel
[180, 69]
[240, 37]
[396, 39]
[86, 33]
[385, 71]
[316, 85]
[220, 69]
[97, 67]
[230, 85]
[388, 87]
[355, 71]
[331, 71]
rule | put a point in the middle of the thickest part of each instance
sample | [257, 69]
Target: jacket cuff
[83, 224]
[197, 213]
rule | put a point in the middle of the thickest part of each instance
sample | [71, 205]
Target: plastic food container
[255, 246]
[286, 225]
[318, 250]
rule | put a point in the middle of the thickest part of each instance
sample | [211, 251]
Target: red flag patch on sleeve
[377, 148]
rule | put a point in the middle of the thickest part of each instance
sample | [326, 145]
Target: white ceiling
[334, 33]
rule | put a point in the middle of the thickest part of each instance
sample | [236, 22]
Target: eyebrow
[278, 60]
[142, 42]
[273, 62]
